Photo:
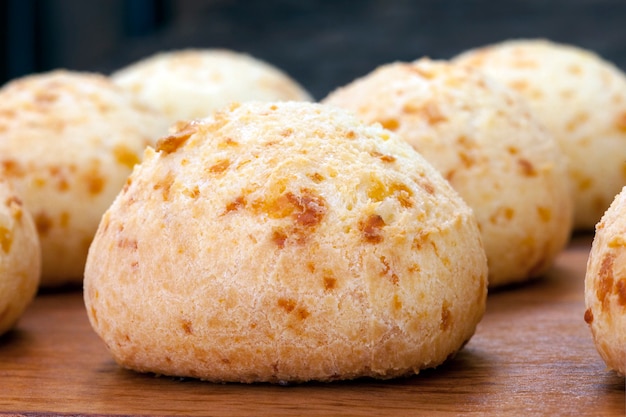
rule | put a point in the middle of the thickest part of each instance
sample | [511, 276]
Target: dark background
[322, 44]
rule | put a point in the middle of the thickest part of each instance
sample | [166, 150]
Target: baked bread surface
[285, 242]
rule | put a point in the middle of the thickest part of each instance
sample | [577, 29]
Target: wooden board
[532, 355]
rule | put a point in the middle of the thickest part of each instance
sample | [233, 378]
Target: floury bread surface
[20, 258]
[285, 242]
[605, 286]
[581, 98]
[68, 141]
[483, 138]
[191, 83]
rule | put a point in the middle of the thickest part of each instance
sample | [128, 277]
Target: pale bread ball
[581, 98]
[605, 286]
[20, 258]
[192, 83]
[68, 141]
[485, 141]
[285, 242]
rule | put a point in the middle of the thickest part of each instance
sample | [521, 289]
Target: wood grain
[532, 355]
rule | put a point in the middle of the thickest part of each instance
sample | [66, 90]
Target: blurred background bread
[68, 141]
[20, 258]
[191, 83]
[487, 142]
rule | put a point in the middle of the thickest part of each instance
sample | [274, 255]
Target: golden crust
[68, 141]
[285, 242]
[192, 83]
[605, 286]
[20, 258]
[485, 141]
[581, 98]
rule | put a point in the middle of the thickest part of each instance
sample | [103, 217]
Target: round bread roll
[192, 83]
[20, 258]
[285, 242]
[581, 99]
[605, 286]
[485, 141]
[68, 141]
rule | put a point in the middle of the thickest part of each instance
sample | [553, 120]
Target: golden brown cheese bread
[581, 98]
[20, 258]
[483, 138]
[68, 141]
[285, 242]
[605, 286]
[191, 83]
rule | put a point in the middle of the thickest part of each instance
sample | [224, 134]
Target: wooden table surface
[532, 355]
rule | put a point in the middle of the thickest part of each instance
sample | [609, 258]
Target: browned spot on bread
[170, 144]
[330, 282]
[125, 156]
[302, 313]
[351, 134]
[43, 223]
[388, 272]
[227, 143]
[235, 205]
[501, 214]
[94, 180]
[165, 185]
[605, 279]
[6, 239]
[287, 304]
[390, 124]
[279, 237]
[527, 167]
[433, 114]
[588, 316]
[127, 243]
[383, 157]
[316, 177]
[545, 214]
[419, 240]
[15, 205]
[446, 317]
[219, 166]
[467, 159]
[519, 85]
[397, 304]
[620, 290]
[286, 132]
[311, 208]
[371, 228]
[192, 193]
[187, 326]
[620, 122]
[12, 168]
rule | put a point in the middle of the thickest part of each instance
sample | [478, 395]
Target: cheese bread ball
[485, 141]
[582, 100]
[20, 258]
[605, 286]
[285, 242]
[68, 141]
[192, 83]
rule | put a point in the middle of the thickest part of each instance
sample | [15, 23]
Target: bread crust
[191, 83]
[20, 258]
[68, 141]
[605, 286]
[484, 139]
[285, 242]
[581, 99]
